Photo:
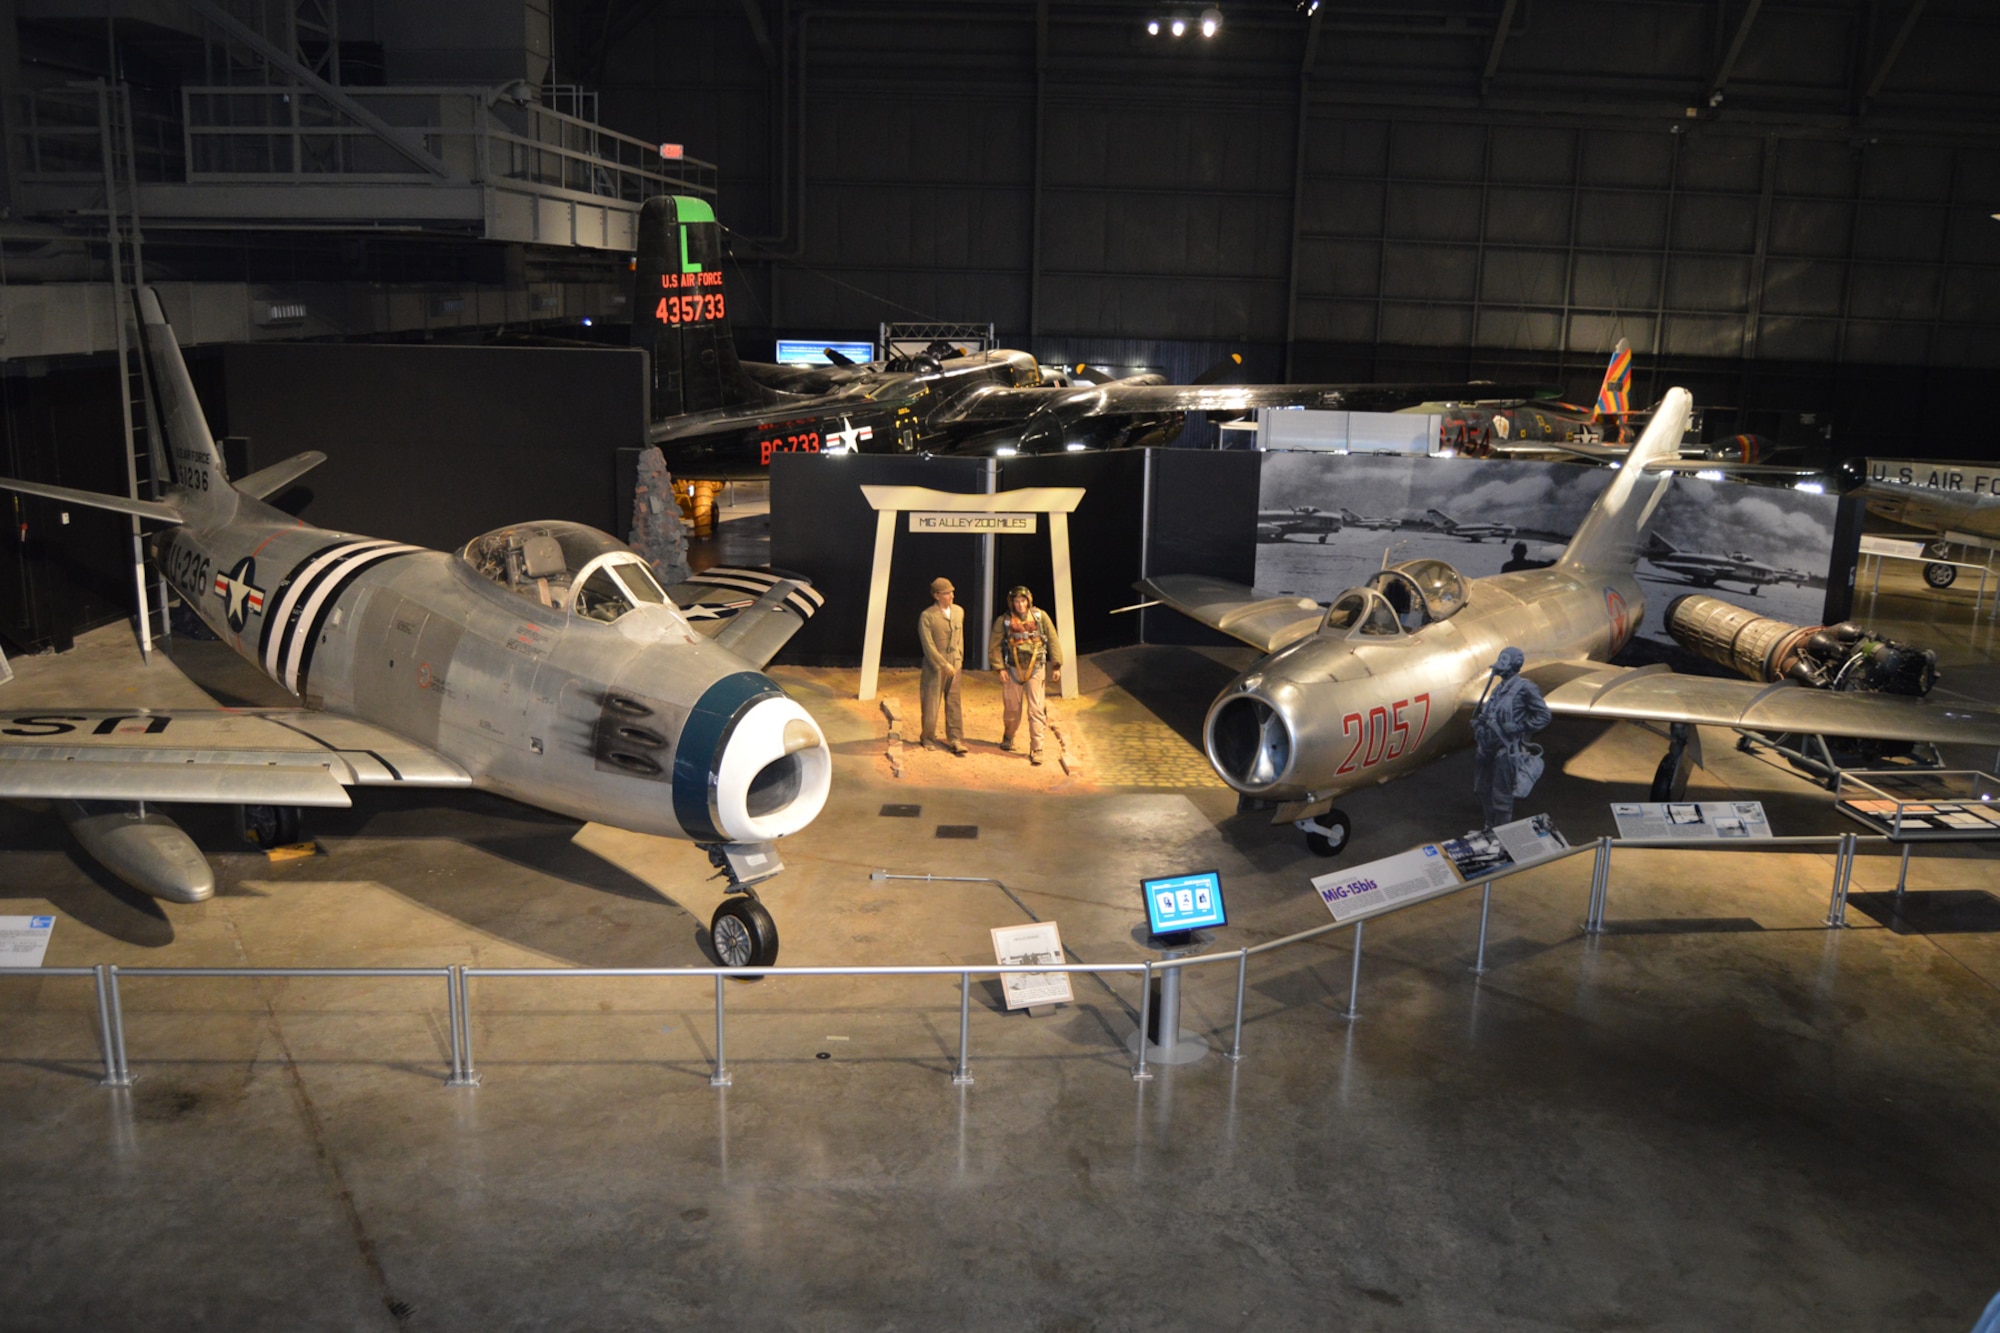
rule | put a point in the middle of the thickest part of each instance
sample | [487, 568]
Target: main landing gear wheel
[1670, 779]
[743, 934]
[1940, 575]
[268, 826]
[1326, 835]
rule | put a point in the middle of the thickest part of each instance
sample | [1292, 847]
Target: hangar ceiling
[1755, 193]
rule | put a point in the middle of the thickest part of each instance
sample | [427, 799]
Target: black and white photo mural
[1327, 521]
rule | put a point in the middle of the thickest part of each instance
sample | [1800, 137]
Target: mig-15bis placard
[718, 417]
[542, 662]
[1385, 679]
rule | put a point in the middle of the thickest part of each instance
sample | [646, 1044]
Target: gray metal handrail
[111, 1022]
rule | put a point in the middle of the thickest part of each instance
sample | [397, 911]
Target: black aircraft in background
[716, 417]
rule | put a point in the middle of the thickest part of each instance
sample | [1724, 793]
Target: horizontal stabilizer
[153, 509]
[267, 482]
[751, 612]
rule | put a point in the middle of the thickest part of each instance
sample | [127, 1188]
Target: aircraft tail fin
[1611, 537]
[680, 312]
[1614, 396]
[1441, 519]
[200, 488]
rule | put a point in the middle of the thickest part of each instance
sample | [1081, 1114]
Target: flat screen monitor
[812, 352]
[1179, 903]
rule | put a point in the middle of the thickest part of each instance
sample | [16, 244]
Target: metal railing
[462, 1073]
[237, 133]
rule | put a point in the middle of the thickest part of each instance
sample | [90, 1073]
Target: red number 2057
[1383, 732]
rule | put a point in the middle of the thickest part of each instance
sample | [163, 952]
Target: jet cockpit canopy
[567, 567]
[1398, 600]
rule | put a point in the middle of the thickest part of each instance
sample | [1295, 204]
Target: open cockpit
[567, 567]
[1399, 600]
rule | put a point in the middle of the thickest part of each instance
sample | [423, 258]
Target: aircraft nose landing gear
[742, 932]
[1326, 835]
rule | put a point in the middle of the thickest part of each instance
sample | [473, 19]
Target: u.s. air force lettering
[934, 521]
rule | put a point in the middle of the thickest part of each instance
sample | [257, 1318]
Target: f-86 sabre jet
[1385, 679]
[1945, 499]
[541, 662]
[717, 417]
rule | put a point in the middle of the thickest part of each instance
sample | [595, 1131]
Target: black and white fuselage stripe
[291, 626]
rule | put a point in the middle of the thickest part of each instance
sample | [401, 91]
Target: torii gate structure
[1058, 502]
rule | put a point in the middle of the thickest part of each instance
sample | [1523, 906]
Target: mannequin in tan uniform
[941, 631]
[1027, 654]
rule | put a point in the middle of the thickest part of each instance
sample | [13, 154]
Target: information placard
[1404, 877]
[24, 940]
[1523, 842]
[1693, 820]
[1031, 946]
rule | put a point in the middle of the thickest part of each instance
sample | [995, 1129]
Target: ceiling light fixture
[1153, 28]
[1211, 21]
[1180, 27]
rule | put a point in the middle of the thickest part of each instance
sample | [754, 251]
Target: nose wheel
[1326, 835]
[743, 933]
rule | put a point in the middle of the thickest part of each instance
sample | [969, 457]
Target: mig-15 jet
[1385, 679]
[717, 417]
[1702, 570]
[1354, 520]
[1472, 532]
[1275, 525]
[542, 662]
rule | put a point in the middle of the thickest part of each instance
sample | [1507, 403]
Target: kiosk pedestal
[1166, 1043]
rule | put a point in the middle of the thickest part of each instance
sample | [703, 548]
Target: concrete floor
[1718, 1116]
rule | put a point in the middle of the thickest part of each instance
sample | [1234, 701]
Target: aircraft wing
[751, 612]
[1264, 622]
[997, 405]
[280, 756]
[1657, 694]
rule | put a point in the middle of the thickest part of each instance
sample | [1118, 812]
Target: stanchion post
[720, 1078]
[963, 1075]
[1600, 888]
[122, 1077]
[1843, 872]
[1242, 978]
[1354, 978]
[1485, 908]
[114, 1076]
[460, 992]
[1903, 874]
[1139, 1070]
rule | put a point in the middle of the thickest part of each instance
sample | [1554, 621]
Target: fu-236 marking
[1383, 732]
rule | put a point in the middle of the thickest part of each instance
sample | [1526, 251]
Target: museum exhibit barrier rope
[110, 1012]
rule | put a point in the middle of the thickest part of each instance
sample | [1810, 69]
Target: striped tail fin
[1614, 396]
[1611, 536]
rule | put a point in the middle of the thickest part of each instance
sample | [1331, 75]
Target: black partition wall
[435, 445]
[1161, 511]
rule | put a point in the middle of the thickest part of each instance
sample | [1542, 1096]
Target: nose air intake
[751, 765]
[1249, 742]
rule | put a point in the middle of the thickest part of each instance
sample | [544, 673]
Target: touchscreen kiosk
[1180, 903]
